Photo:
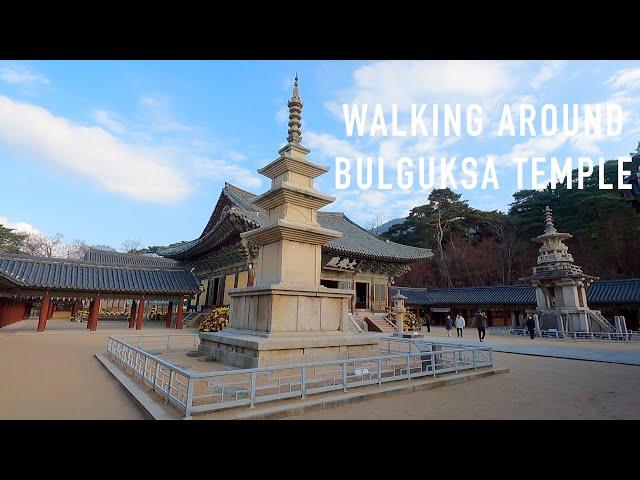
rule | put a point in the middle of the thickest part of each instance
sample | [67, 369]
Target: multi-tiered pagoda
[561, 285]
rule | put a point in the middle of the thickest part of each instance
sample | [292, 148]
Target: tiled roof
[116, 258]
[623, 291]
[27, 271]
[354, 241]
[602, 291]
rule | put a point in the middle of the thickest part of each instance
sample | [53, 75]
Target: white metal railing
[560, 335]
[197, 392]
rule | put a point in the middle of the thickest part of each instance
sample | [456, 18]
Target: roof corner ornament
[294, 134]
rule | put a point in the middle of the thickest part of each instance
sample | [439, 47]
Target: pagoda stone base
[574, 319]
[244, 349]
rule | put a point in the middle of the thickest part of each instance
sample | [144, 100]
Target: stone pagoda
[287, 316]
[561, 285]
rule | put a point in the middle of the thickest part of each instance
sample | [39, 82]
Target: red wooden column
[140, 314]
[179, 313]
[167, 323]
[50, 312]
[94, 313]
[74, 309]
[90, 314]
[132, 314]
[44, 313]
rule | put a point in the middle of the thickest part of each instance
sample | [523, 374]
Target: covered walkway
[55, 289]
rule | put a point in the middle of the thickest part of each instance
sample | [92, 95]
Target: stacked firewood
[216, 321]
[410, 321]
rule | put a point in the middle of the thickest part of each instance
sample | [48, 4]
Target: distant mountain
[385, 226]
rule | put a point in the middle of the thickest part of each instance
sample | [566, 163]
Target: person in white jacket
[460, 324]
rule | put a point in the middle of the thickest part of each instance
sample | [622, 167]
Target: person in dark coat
[427, 322]
[531, 326]
[481, 324]
[448, 325]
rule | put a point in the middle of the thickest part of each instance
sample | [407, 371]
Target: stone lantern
[399, 310]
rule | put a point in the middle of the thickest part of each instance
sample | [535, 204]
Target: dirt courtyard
[55, 376]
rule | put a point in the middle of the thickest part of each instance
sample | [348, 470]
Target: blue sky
[139, 150]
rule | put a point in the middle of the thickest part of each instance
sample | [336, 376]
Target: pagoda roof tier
[235, 206]
[284, 229]
[286, 163]
[287, 193]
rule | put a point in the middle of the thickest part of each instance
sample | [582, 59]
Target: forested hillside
[474, 247]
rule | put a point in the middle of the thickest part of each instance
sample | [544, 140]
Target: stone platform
[243, 350]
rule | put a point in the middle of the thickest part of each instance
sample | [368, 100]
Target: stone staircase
[598, 322]
[194, 319]
[377, 323]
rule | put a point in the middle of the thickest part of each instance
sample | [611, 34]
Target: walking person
[481, 324]
[427, 322]
[460, 324]
[531, 326]
[448, 324]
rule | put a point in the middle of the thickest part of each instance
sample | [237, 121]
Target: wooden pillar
[44, 313]
[94, 313]
[132, 314]
[179, 313]
[167, 323]
[140, 314]
[74, 309]
[50, 312]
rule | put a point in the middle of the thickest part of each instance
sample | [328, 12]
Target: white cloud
[406, 82]
[21, 75]
[21, 227]
[548, 70]
[227, 171]
[108, 120]
[157, 112]
[628, 79]
[326, 145]
[92, 152]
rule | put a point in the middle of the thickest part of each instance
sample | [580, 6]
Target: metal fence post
[475, 367]
[157, 374]
[252, 389]
[189, 402]
[344, 376]
[379, 371]
[303, 379]
[408, 366]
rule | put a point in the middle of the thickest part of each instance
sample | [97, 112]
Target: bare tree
[77, 249]
[43, 245]
[377, 222]
[131, 246]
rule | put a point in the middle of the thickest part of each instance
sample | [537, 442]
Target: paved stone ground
[626, 354]
[55, 376]
[535, 388]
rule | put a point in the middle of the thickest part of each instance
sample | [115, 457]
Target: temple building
[59, 287]
[358, 260]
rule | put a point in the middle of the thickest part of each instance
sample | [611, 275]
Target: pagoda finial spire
[294, 134]
[548, 220]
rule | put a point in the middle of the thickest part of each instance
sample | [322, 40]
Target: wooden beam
[44, 312]
[140, 314]
[167, 322]
[179, 313]
[132, 314]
